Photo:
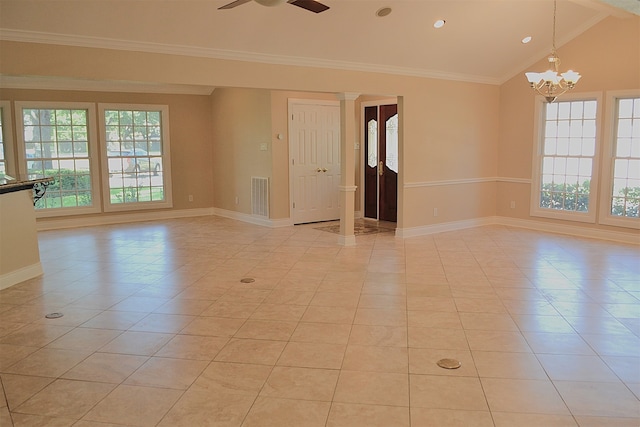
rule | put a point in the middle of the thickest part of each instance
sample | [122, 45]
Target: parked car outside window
[133, 161]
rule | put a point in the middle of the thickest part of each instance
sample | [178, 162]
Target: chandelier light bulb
[551, 76]
[533, 77]
[571, 77]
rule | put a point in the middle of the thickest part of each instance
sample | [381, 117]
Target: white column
[347, 167]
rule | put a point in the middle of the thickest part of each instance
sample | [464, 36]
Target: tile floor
[159, 330]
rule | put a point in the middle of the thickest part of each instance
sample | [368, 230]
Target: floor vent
[260, 196]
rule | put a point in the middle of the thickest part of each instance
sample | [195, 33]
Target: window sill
[564, 215]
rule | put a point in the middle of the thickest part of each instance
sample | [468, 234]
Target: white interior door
[314, 146]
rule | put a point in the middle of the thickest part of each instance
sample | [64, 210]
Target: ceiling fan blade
[234, 4]
[310, 5]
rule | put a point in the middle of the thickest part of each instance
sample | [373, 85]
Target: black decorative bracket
[39, 190]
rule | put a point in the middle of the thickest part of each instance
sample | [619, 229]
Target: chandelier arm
[548, 89]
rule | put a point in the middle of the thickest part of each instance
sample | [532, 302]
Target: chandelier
[550, 83]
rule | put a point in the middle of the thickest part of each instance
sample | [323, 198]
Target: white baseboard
[346, 240]
[284, 222]
[20, 275]
[443, 227]
[632, 237]
[253, 219]
[107, 219]
[123, 218]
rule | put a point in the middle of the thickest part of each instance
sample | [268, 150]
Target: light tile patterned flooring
[159, 330]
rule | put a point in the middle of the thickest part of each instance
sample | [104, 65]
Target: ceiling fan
[310, 5]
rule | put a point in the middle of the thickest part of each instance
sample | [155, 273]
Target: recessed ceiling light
[439, 23]
[526, 40]
[383, 12]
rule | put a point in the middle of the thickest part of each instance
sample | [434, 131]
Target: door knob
[324, 170]
[318, 170]
[381, 168]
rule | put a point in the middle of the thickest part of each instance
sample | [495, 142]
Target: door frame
[361, 162]
[290, 103]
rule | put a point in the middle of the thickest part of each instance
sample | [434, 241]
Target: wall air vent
[260, 196]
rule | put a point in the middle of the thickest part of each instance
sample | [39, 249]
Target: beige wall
[456, 137]
[608, 58]
[241, 122]
[449, 129]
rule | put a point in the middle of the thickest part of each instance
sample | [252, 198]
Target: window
[55, 140]
[136, 153]
[6, 139]
[3, 131]
[621, 205]
[566, 160]
[392, 143]
[626, 159]
[372, 154]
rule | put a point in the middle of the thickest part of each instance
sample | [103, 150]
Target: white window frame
[7, 138]
[94, 165]
[608, 157]
[538, 140]
[166, 159]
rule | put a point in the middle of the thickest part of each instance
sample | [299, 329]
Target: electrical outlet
[191, 197]
[513, 204]
[237, 200]
[435, 211]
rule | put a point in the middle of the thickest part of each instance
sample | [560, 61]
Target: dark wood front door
[388, 162]
[381, 162]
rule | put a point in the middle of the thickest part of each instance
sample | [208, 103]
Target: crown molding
[201, 52]
[56, 83]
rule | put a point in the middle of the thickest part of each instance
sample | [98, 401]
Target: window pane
[372, 155]
[568, 147]
[625, 108]
[625, 192]
[564, 108]
[392, 143]
[590, 109]
[56, 145]
[3, 167]
[134, 153]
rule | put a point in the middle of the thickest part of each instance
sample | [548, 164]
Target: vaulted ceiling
[481, 40]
